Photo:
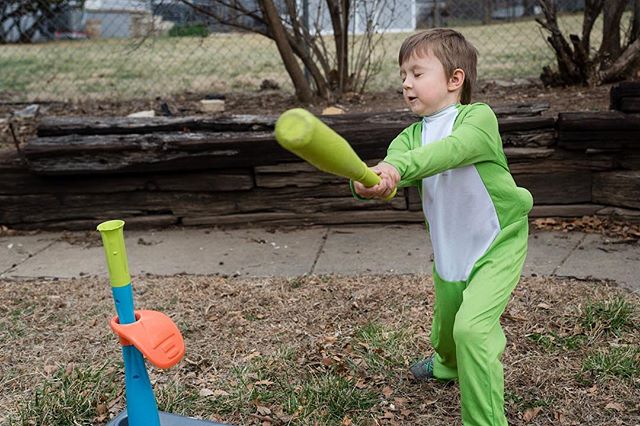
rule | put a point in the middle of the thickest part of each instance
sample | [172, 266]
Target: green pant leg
[448, 297]
[477, 332]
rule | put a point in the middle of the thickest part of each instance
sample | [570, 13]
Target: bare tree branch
[332, 70]
[577, 63]
[223, 20]
[620, 67]
[303, 91]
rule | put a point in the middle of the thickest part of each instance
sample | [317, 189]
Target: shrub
[189, 30]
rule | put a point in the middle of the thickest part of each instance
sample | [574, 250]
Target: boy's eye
[418, 74]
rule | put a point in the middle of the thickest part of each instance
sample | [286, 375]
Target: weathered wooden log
[625, 96]
[77, 154]
[11, 161]
[414, 202]
[135, 153]
[596, 121]
[558, 187]
[546, 160]
[530, 138]
[600, 130]
[82, 125]
[24, 182]
[133, 222]
[631, 215]
[564, 210]
[527, 131]
[325, 218]
[332, 218]
[238, 175]
[301, 175]
[620, 189]
[629, 160]
[61, 206]
[630, 105]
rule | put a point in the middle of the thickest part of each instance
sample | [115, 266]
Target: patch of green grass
[70, 397]
[310, 395]
[176, 398]
[190, 30]
[16, 323]
[612, 315]
[526, 401]
[296, 282]
[250, 316]
[331, 397]
[552, 341]
[620, 362]
[381, 348]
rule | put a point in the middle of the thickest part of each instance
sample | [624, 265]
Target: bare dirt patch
[254, 344]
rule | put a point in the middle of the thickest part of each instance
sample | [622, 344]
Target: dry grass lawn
[314, 350]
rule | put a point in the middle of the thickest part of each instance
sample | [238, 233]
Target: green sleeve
[405, 141]
[474, 139]
[353, 192]
[409, 139]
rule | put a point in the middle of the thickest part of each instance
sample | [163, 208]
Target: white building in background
[388, 15]
[121, 5]
[116, 18]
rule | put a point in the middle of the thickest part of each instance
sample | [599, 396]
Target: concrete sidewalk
[390, 249]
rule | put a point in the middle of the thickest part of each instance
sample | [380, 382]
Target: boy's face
[425, 86]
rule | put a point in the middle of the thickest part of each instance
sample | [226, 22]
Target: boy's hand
[389, 178]
[388, 173]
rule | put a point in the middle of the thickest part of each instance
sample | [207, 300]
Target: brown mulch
[227, 323]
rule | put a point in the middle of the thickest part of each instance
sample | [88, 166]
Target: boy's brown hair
[451, 49]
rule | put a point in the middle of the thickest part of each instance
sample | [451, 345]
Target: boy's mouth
[412, 98]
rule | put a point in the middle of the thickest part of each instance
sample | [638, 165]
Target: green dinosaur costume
[477, 220]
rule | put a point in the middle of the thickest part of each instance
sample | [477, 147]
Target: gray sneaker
[423, 370]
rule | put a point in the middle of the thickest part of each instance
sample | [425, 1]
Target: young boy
[477, 216]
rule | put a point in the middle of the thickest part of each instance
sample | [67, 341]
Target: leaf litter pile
[608, 226]
[316, 350]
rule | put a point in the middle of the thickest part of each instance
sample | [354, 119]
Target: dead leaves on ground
[604, 225]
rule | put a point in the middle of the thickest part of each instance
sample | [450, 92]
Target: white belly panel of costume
[462, 218]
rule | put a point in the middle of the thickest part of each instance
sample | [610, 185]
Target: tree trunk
[487, 11]
[611, 48]
[529, 7]
[343, 65]
[339, 14]
[301, 85]
[635, 24]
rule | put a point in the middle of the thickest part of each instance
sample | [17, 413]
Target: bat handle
[370, 179]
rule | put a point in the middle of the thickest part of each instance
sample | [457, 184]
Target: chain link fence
[123, 49]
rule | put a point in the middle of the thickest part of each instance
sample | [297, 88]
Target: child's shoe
[423, 370]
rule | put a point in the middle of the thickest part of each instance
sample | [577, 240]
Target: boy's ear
[456, 80]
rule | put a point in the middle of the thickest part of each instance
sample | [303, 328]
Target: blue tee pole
[142, 409]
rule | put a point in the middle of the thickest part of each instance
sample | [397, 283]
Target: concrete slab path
[345, 250]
